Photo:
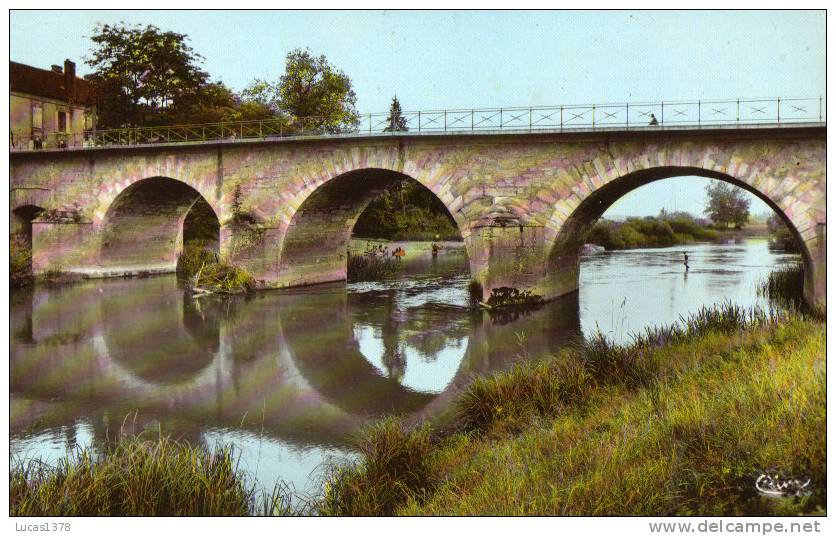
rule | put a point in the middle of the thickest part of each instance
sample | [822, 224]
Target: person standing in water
[686, 260]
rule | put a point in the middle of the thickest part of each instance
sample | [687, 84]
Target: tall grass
[528, 391]
[785, 286]
[133, 478]
[395, 468]
[371, 268]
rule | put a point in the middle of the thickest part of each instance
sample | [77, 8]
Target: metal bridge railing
[627, 116]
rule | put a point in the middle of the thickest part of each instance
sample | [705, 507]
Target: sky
[468, 59]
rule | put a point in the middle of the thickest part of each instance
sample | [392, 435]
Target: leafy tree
[396, 122]
[315, 94]
[143, 74]
[407, 211]
[211, 103]
[727, 204]
[260, 100]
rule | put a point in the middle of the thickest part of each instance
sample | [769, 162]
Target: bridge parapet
[682, 114]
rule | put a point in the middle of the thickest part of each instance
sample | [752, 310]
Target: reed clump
[394, 468]
[371, 267]
[134, 478]
[785, 286]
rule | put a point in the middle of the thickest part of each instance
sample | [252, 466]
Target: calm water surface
[287, 376]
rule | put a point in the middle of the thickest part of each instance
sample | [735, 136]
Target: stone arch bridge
[523, 202]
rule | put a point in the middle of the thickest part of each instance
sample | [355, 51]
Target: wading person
[686, 260]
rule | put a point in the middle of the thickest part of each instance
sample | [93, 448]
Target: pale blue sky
[467, 59]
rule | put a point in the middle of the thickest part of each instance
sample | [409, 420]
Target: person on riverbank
[435, 249]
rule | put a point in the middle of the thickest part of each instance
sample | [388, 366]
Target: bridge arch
[563, 257]
[143, 227]
[315, 242]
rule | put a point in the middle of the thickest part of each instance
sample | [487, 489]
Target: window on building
[37, 116]
[62, 121]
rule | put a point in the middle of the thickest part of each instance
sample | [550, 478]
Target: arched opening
[149, 223]
[564, 262]
[21, 229]
[20, 243]
[403, 333]
[315, 247]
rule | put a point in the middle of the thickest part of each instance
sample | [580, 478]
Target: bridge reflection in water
[281, 374]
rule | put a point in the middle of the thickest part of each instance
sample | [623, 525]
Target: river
[286, 377]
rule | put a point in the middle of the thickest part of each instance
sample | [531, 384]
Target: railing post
[662, 114]
[593, 117]
[779, 110]
[738, 111]
[699, 113]
[472, 113]
[419, 121]
[500, 119]
[561, 118]
[627, 106]
[530, 113]
[445, 120]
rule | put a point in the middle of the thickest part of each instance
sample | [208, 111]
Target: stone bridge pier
[285, 209]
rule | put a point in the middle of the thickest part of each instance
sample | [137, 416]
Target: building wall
[20, 120]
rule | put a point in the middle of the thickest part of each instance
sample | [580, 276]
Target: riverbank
[412, 248]
[683, 421]
[678, 429]
[653, 232]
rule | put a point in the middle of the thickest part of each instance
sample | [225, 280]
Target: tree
[396, 122]
[143, 74]
[260, 100]
[727, 204]
[315, 94]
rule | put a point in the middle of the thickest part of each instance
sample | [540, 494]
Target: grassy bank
[656, 232]
[681, 422]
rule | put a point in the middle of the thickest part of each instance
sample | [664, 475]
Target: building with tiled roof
[48, 108]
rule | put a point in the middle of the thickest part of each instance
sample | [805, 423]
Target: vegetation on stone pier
[206, 273]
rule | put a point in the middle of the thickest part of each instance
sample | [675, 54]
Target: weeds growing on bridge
[205, 272]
